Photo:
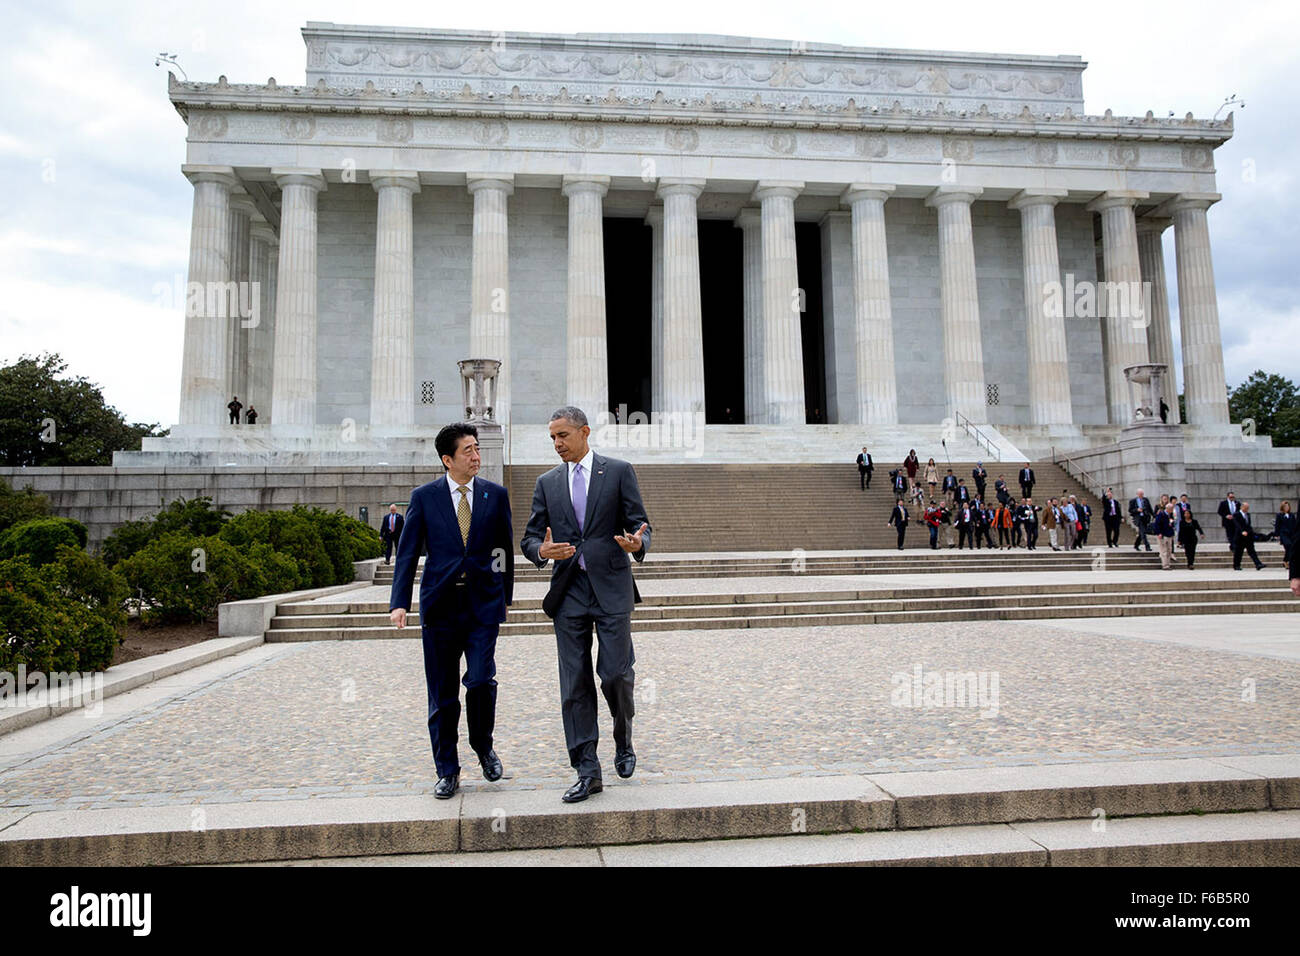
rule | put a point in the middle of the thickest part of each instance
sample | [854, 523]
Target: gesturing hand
[631, 543]
[559, 550]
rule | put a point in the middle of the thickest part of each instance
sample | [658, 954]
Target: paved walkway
[346, 719]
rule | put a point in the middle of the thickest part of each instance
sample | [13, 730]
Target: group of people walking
[957, 516]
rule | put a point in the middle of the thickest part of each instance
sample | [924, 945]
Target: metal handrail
[973, 430]
[1079, 474]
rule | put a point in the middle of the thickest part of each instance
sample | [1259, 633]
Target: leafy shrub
[182, 577]
[194, 517]
[39, 539]
[65, 616]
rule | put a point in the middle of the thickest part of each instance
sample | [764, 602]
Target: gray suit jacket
[613, 507]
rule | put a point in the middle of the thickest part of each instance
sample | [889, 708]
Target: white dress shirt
[455, 497]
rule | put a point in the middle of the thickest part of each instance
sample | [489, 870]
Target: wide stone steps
[369, 620]
[1221, 810]
[943, 561]
[739, 507]
[1259, 838]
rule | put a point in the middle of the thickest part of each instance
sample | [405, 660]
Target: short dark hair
[448, 439]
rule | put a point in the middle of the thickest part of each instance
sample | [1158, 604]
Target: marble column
[587, 362]
[750, 224]
[963, 348]
[1125, 323]
[783, 388]
[293, 402]
[205, 360]
[489, 315]
[1160, 336]
[1045, 341]
[683, 335]
[1204, 385]
[264, 253]
[241, 220]
[655, 220]
[872, 313]
[392, 350]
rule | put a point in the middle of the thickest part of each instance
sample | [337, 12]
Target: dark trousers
[1031, 534]
[614, 659]
[934, 536]
[979, 486]
[1112, 530]
[864, 476]
[1230, 532]
[450, 632]
[1244, 542]
[389, 545]
[1026, 490]
[1141, 539]
[1189, 548]
[902, 530]
[964, 536]
[1004, 537]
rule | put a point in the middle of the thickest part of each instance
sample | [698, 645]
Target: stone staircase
[867, 604]
[1240, 810]
[731, 507]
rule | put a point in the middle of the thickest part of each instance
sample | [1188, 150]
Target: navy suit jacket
[487, 565]
[396, 534]
[613, 507]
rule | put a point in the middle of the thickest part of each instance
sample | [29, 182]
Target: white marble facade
[431, 194]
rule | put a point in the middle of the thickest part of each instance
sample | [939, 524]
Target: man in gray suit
[587, 516]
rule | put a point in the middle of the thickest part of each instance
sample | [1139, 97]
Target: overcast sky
[95, 214]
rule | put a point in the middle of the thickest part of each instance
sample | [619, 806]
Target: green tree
[19, 506]
[1271, 401]
[48, 420]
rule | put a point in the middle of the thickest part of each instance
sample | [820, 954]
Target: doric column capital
[1117, 197]
[654, 216]
[197, 173]
[784, 188]
[584, 183]
[504, 182]
[1153, 225]
[242, 203]
[673, 186]
[1187, 201]
[943, 195]
[1037, 197]
[855, 192]
[400, 178]
[749, 217]
[298, 176]
[262, 232]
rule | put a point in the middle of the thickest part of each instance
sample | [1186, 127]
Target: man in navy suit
[1026, 482]
[391, 532]
[587, 515]
[463, 522]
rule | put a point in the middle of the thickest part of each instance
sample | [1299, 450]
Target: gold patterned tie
[462, 514]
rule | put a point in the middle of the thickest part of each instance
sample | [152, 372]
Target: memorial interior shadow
[628, 268]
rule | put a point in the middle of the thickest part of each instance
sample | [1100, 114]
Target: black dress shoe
[491, 765]
[625, 762]
[581, 790]
[447, 787]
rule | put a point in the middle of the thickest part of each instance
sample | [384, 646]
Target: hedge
[40, 538]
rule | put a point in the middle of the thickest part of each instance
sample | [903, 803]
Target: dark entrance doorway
[808, 247]
[627, 312]
[722, 301]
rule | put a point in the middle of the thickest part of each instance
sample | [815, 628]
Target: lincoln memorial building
[868, 246]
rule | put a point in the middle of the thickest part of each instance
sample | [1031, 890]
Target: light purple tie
[580, 504]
